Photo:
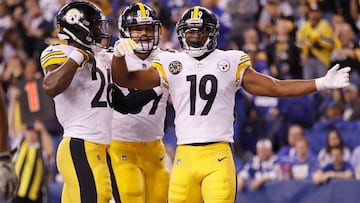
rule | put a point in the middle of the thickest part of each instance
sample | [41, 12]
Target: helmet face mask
[83, 23]
[197, 31]
[196, 38]
[140, 23]
[144, 37]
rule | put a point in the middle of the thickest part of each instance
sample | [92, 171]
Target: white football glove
[8, 178]
[334, 78]
[124, 47]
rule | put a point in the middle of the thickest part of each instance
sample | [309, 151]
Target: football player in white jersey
[202, 82]
[8, 180]
[77, 77]
[141, 174]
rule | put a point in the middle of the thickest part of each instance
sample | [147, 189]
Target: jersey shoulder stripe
[162, 73]
[55, 54]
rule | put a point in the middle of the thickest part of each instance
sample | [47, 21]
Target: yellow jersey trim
[53, 61]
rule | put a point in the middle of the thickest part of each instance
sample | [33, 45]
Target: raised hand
[334, 78]
[124, 47]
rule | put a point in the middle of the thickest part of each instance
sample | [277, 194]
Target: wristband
[117, 52]
[158, 90]
[320, 83]
[77, 56]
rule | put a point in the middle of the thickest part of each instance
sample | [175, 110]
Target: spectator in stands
[5, 19]
[355, 161]
[13, 45]
[243, 15]
[337, 22]
[304, 165]
[316, 40]
[33, 143]
[352, 103]
[273, 11]
[338, 168]
[36, 28]
[282, 54]
[348, 54]
[13, 72]
[259, 169]
[333, 139]
[288, 153]
[332, 116]
[301, 11]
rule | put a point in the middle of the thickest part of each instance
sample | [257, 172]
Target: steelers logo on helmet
[175, 67]
[223, 65]
[73, 16]
[84, 23]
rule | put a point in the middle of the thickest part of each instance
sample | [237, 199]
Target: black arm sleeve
[133, 102]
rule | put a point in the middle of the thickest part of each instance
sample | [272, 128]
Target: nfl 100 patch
[175, 67]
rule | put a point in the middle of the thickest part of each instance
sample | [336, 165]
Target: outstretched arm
[142, 79]
[259, 84]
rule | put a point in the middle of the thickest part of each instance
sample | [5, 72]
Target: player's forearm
[4, 147]
[57, 81]
[119, 71]
[293, 88]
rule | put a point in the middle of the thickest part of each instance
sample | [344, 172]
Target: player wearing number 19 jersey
[77, 77]
[141, 173]
[202, 82]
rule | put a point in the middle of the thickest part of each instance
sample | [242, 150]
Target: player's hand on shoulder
[9, 179]
[334, 78]
[124, 47]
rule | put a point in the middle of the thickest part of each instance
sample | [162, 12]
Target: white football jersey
[83, 109]
[147, 124]
[203, 93]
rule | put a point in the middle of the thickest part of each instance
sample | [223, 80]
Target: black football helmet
[203, 21]
[84, 23]
[139, 14]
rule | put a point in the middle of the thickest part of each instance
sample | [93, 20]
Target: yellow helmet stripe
[196, 12]
[142, 9]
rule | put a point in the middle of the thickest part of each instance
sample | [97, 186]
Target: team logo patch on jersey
[224, 66]
[175, 67]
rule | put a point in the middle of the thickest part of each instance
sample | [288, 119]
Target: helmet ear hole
[198, 18]
[79, 21]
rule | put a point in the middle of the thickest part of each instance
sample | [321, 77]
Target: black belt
[202, 144]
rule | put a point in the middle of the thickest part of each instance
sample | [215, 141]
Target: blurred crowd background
[287, 39]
